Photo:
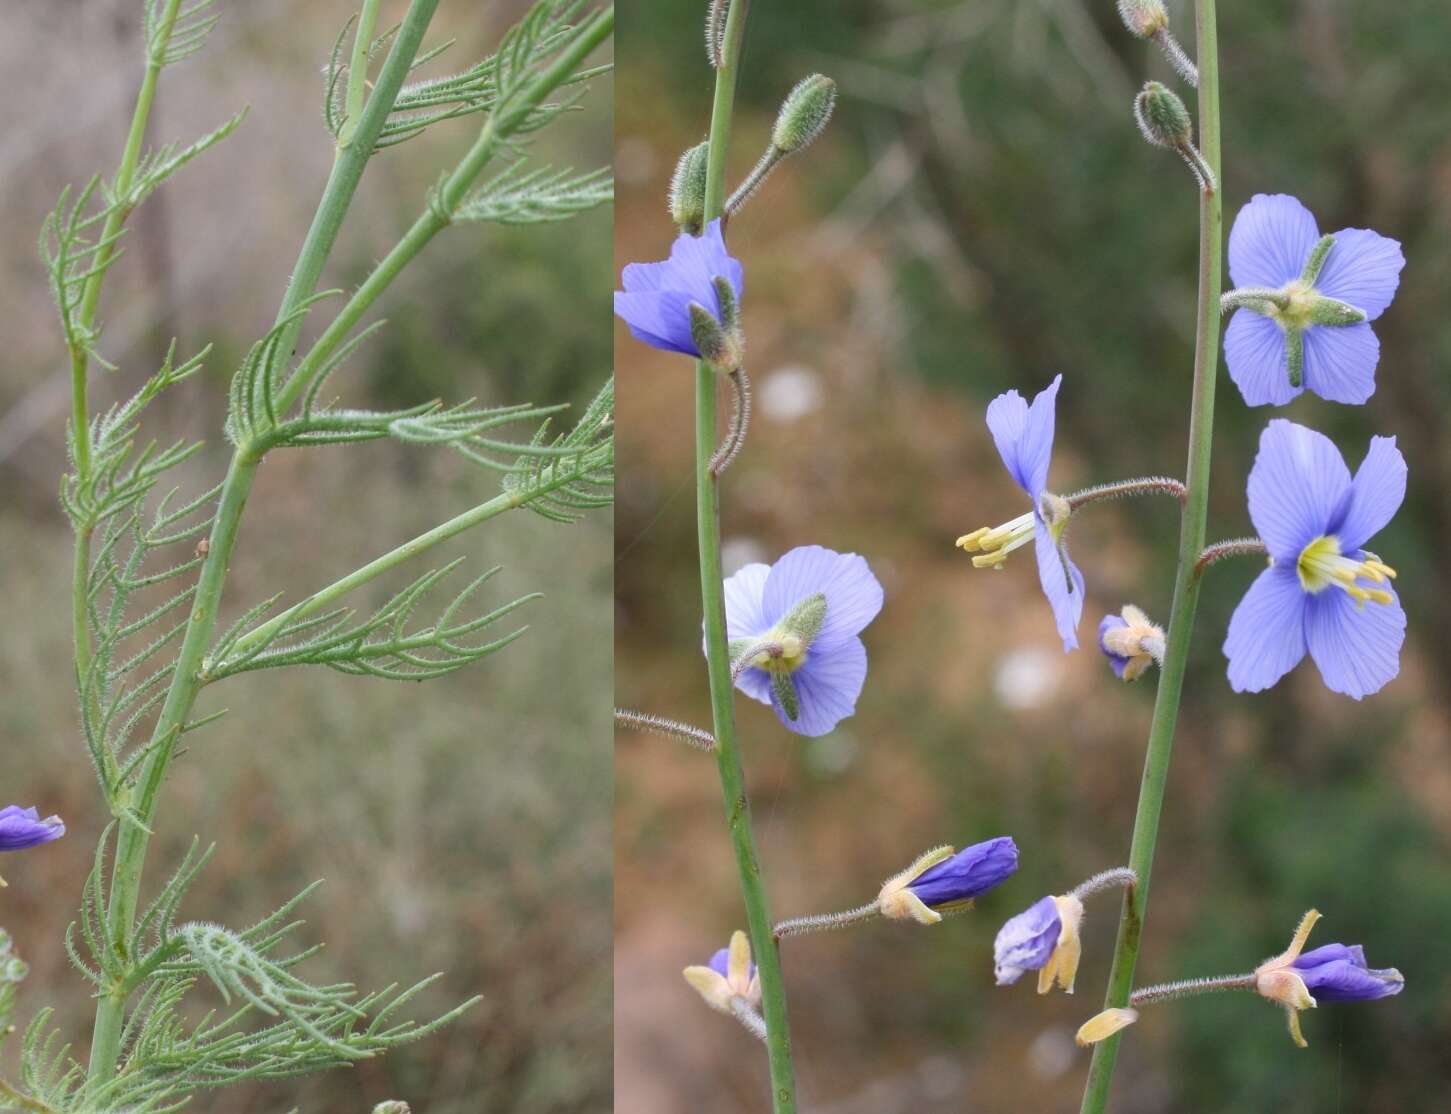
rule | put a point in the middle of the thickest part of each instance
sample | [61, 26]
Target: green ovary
[1321, 565]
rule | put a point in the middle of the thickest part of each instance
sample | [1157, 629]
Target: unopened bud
[1143, 18]
[718, 346]
[804, 113]
[392, 1106]
[1162, 117]
[687, 190]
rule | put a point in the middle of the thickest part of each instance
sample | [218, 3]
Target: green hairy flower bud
[1144, 18]
[1162, 117]
[804, 113]
[687, 190]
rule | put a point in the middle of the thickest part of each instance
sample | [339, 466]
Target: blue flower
[1316, 332]
[658, 297]
[1043, 938]
[22, 827]
[808, 608]
[942, 879]
[1323, 592]
[1024, 437]
[1299, 980]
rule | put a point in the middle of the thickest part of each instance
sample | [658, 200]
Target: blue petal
[1254, 353]
[1067, 605]
[1266, 636]
[1271, 241]
[1297, 485]
[972, 871]
[660, 319]
[1357, 648]
[1024, 435]
[719, 261]
[827, 687]
[1340, 362]
[853, 594]
[745, 619]
[1375, 494]
[744, 591]
[1026, 942]
[1364, 269]
[1345, 981]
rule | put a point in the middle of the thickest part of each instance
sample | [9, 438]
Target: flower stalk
[717, 649]
[1234, 547]
[1186, 582]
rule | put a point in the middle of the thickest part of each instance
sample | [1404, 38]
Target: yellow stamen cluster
[996, 542]
[1321, 565]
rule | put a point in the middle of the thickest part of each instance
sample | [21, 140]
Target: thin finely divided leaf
[139, 589]
[157, 166]
[170, 40]
[489, 84]
[75, 248]
[560, 478]
[382, 645]
[273, 1024]
[536, 196]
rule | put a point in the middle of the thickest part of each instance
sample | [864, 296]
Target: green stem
[717, 650]
[358, 72]
[501, 125]
[348, 164]
[1186, 583]
[133, 840]
[91, 296]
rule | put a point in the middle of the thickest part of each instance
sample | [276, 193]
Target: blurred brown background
[461, 825]
[981, 215]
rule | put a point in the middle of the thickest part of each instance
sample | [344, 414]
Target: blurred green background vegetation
[462, 825]
[981, 215]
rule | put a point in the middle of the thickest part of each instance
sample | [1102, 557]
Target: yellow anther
[996, 542]
[969, 542]
[1321, 565]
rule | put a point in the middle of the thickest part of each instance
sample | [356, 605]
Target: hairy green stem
[348, 164]
[712, 591]
[91, 295]
[133, 840]
[1186, 583]
[358, 71]
[436, 216]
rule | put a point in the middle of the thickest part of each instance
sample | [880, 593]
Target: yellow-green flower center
[792, 656]
[1321, 565]
[1298, 314]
